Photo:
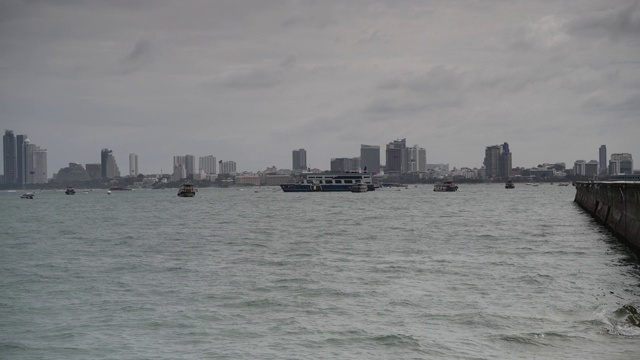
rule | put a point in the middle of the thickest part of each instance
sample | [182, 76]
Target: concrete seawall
[614, 204]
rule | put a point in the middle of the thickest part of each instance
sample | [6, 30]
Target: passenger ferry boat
[329, 182]
[446, 186]
[359, 188]
[187, 190]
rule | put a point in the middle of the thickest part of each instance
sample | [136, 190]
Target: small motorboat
[26, 196]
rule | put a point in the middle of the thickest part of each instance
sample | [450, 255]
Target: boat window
[338, 181]
[358, 181]
[329, 182]
[349, 181]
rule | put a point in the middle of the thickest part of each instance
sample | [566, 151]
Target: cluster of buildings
[26, 163]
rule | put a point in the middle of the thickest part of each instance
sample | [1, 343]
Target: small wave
[535, 339]
[397, 340]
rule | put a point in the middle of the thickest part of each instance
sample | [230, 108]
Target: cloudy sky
[251, 80]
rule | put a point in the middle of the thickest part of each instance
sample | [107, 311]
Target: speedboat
[70, 190]
[26, 196]
[509, 185]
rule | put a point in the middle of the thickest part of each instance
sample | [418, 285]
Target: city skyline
[250, 81]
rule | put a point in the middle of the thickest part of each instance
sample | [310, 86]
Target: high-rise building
[603, 159]
[133, 165]
[94, 171]
[227, 167]
[345, 164]
[9, 156]
[179, 168]
[299, 160]
[621, 163]
[35, 163]
[591, 168]
[109, 168]
[415, 159]
[498, 161]
[395, 154]
[579, 167]
[21, 170]
[207, 164]
[190, 166]
[370, 158]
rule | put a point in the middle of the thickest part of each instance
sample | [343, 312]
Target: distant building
[21, 170]
[73, 173]
[498, 161]
[35, 163]
[579, 167]
[190, 166]
[133, 165]
[591, 168]
[108, 166]
[345, 164]
[179, 168]
[395, 156]
[621, 163]
[207, 164]
[94, 171]
[370, 158]
[9, 157]
[227, 167]
[603, 159]
[299, 160]
[415, 160]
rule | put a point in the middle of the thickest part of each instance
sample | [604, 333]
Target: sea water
[255, 273]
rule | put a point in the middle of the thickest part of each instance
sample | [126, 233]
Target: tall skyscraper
[370, 158]
[179, 168]
[498, 161]
[21, 170]
[395, 155]
[109, 168]
[207, 164]
[227, 167]
[603, 159]
[299, 160]
[133, 165]
[9, 156]
[35, 163]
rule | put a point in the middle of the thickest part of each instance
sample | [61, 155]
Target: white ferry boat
[329, 182]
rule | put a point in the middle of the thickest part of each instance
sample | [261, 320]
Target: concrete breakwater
[614, 204]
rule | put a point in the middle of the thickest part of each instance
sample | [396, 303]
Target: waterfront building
[207, 164]
[579, 167]
[94, 171]
[190, 166]
[603, 159]
[395, 156]
[415, 160]
[498, 161]
[370, 158]
[133, 165]
[21, 170]
[227, 167]
[591, 169]
[179, 168]
[345, 165]
[9, 157]
[109, 168]
[73, 173]
[35, 163]
[299, 158]
[621, 163]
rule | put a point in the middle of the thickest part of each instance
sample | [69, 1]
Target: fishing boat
[70, 190]
[446, 186]
[509, 185]
[187, 190]
[329, 182]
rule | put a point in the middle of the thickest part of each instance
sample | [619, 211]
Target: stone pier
[615, 204]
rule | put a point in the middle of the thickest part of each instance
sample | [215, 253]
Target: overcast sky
[252, 80]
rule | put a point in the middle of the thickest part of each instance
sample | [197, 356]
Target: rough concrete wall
[616, 205]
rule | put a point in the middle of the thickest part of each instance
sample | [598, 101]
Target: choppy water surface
[483, 273]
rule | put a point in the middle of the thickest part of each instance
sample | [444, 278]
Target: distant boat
[359, 188]
[26, 196]
[120, 188]
[328, 182]
[509, 185]
[70, 190]
[447, 186]
[187, 190]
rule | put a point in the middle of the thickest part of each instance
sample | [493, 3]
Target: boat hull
[188, 194]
